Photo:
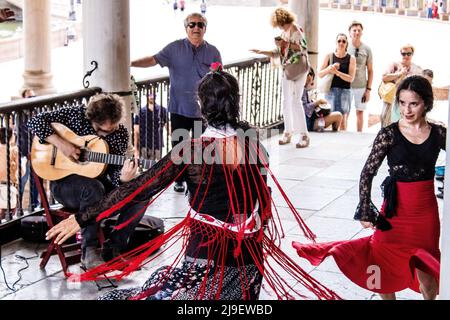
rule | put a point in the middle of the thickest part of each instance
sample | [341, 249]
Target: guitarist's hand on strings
[70, 151]
[129, 170]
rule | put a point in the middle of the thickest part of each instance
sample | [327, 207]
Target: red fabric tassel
[263, 246]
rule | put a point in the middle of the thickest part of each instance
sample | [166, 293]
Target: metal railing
[260, 86]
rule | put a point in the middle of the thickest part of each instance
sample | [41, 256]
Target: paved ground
[321, 181]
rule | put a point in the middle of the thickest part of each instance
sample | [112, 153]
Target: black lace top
[225, 192]
[408, 162]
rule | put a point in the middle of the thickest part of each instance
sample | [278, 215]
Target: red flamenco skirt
[386, 262]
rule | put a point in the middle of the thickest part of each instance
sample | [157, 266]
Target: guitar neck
[114, 159]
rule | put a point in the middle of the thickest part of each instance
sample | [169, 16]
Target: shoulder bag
[297, 64]
[324, 84]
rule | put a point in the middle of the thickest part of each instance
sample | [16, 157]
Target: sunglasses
[356, 52]
[409, 54]
[341, 41]
[200, 24]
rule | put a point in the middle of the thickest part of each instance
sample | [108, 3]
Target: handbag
[386, 91]
[297, 64]
[324, 85]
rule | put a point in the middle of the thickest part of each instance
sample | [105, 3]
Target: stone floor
[321, 181]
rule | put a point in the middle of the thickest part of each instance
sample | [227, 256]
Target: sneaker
[179, 187]
[91, 258]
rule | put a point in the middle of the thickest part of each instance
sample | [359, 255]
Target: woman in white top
[288, 44]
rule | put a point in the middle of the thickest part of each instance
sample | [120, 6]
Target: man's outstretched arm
[144, 62]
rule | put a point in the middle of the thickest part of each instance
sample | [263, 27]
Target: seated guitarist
[101, 117]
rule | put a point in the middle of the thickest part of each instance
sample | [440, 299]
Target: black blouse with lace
[208, 185]
[408, 162]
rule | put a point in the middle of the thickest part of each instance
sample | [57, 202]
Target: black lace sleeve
[163, 173]
[442, 132]
[366, 210]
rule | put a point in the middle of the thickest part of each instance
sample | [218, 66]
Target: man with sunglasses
[396, 72]
[188, 61]
[362, 84]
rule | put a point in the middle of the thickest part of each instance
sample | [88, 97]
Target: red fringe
[263, 247]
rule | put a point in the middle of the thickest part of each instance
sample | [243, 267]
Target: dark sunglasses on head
[342, 41]
[200, 24]
[409, 54]
[356, 52]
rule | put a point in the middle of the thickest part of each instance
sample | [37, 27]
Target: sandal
[303, 143]
[285, 139]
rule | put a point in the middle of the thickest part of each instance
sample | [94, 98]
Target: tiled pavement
[321, 181]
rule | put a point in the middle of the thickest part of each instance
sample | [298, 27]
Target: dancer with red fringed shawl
[230, 238]
[403, 252]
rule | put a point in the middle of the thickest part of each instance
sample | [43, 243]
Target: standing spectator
[403, 251]
[429, 7]
[442, 8]
[362, 84]
[291, 42]
[175, 6]
[6, 137]
[396, 72]
[343, 66]
[188, 61]
[6, 14]
[435, 9]
[182, 4]
[203, 7]
[148, 129]
[312, 119]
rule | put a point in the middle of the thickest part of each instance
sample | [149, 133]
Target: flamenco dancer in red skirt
[230, 238]
[403, 252]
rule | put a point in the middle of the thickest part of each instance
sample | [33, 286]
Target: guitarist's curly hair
[103, 107]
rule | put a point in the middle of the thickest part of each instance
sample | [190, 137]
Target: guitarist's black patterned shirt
[75, 119]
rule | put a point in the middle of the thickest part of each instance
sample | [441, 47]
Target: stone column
[106, 36]
[444, 288]
[412, 9]
[37, 47]
[389, 7]
[307, 12]
[401, 7]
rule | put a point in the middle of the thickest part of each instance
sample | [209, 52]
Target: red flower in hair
[216, 67]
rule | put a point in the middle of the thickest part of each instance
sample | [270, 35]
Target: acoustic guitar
[51, 164]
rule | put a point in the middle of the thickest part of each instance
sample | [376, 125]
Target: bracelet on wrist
[367, 88]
